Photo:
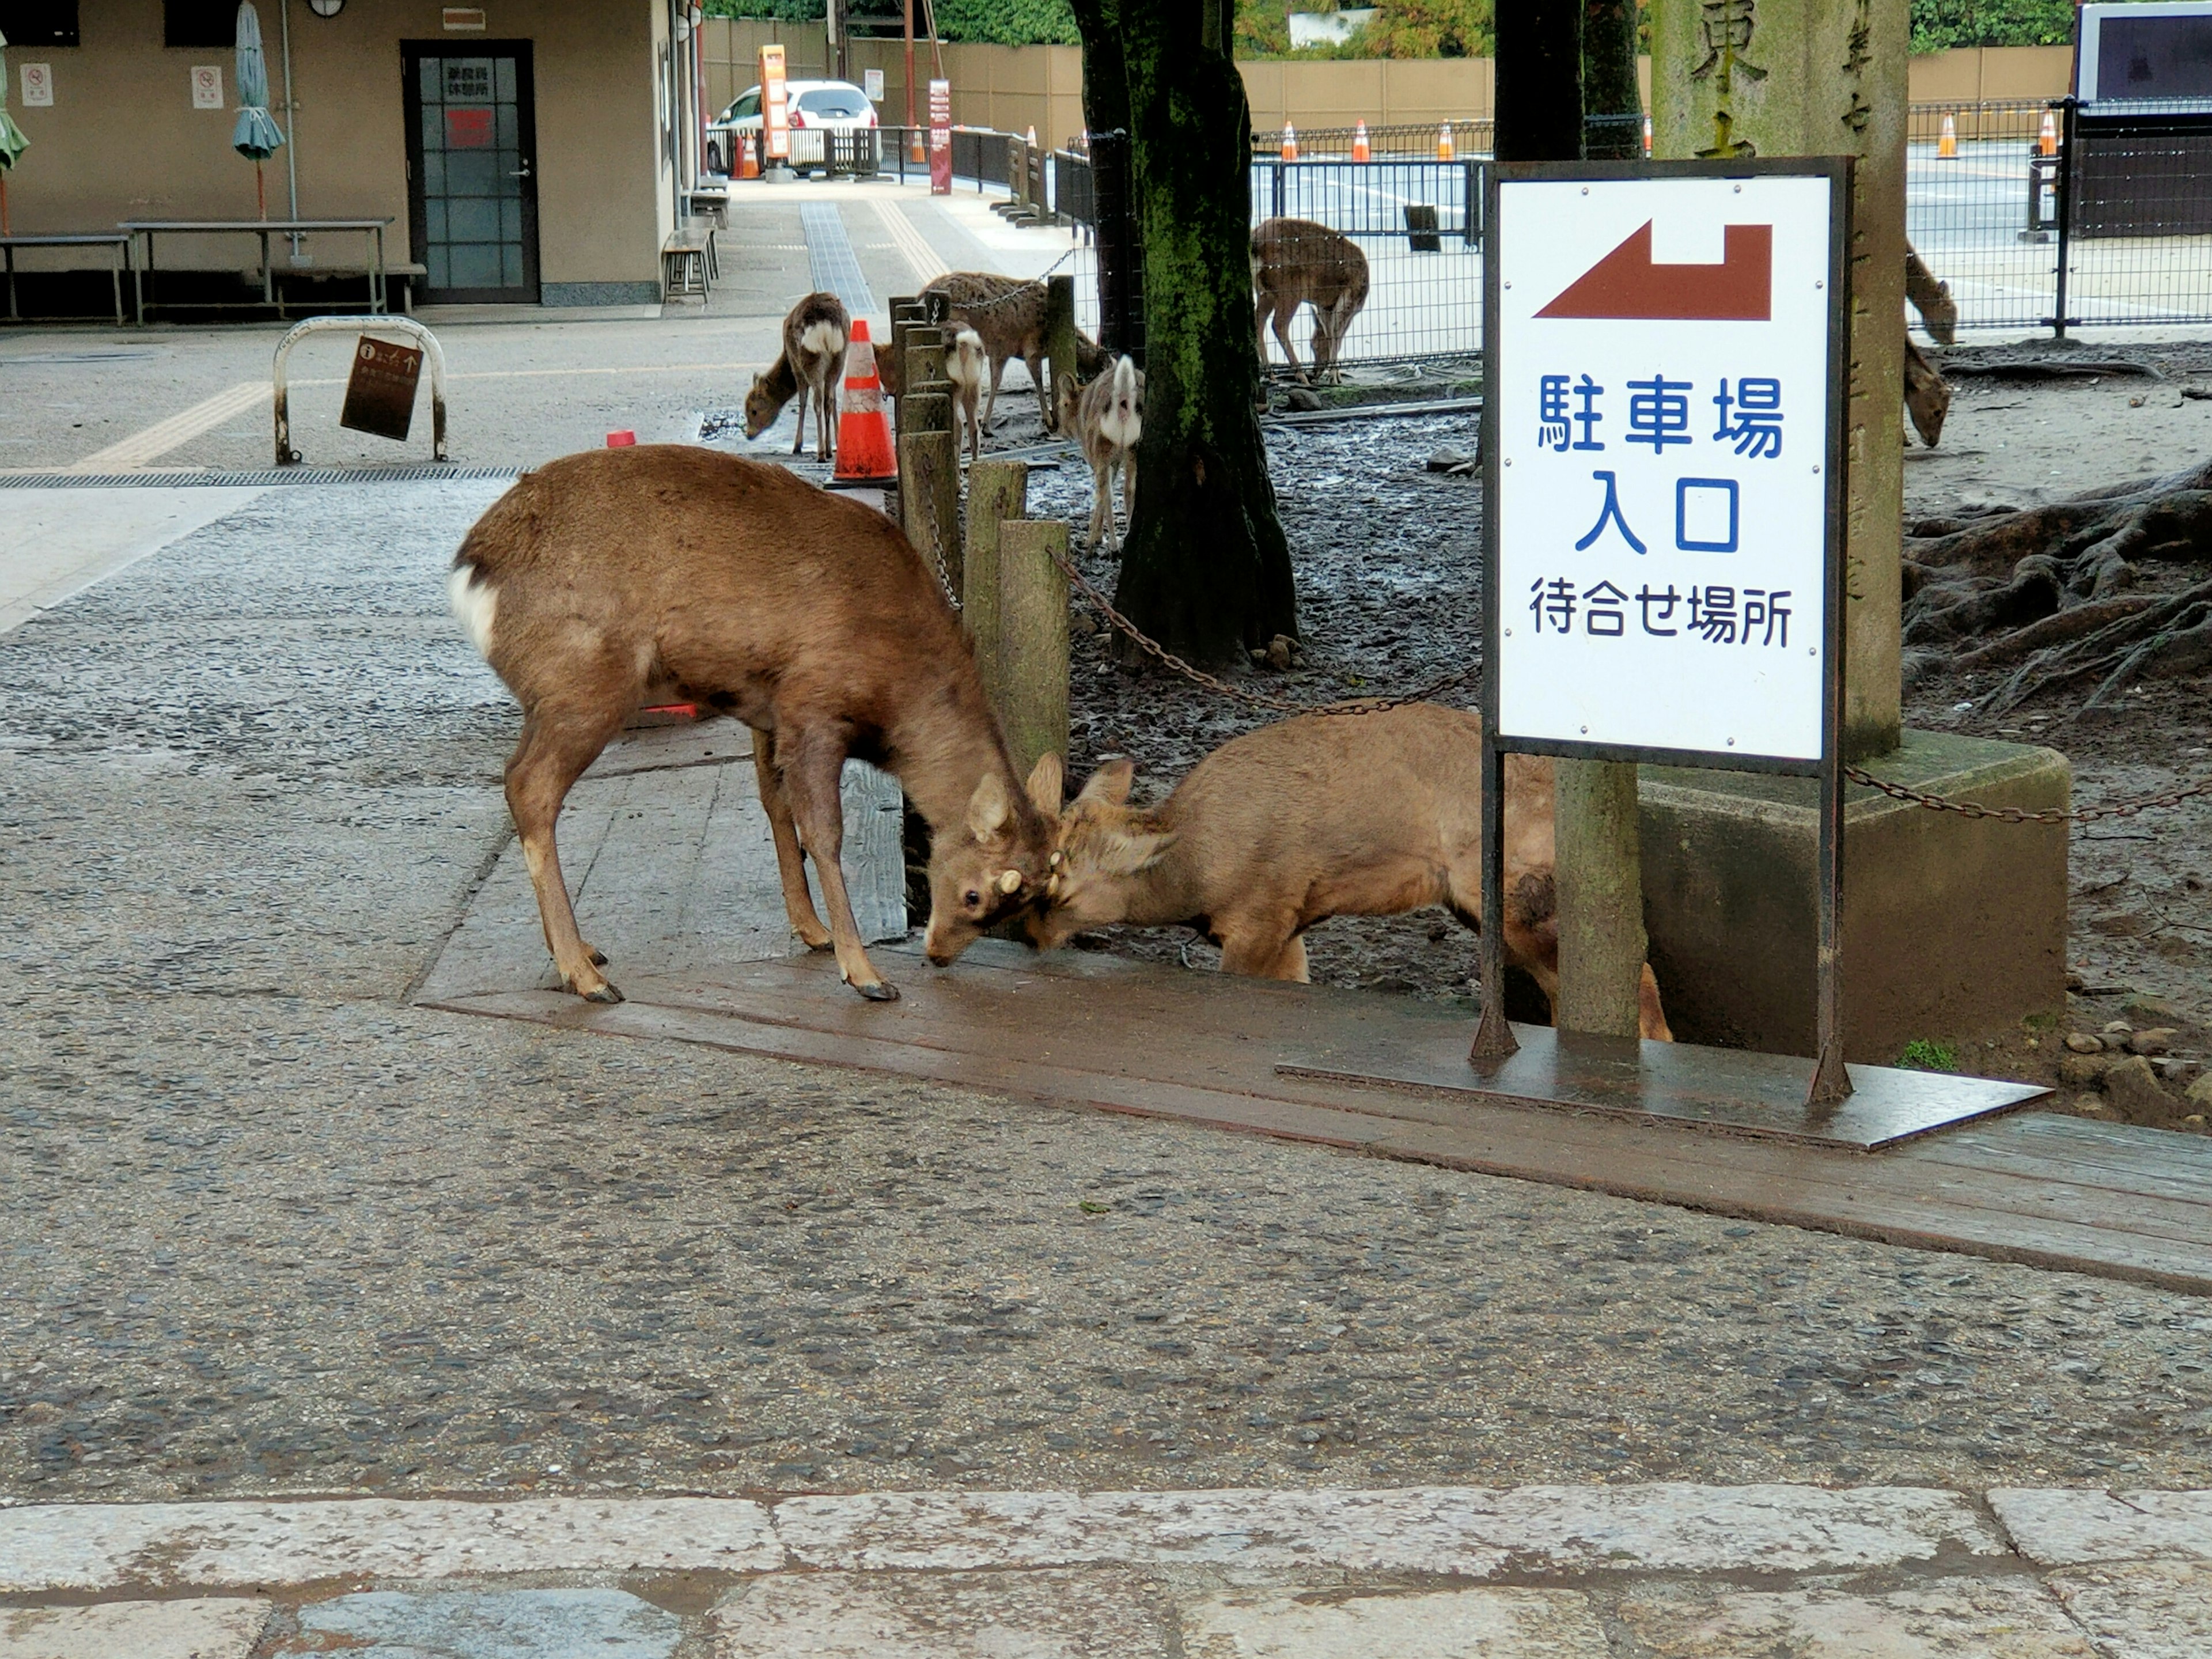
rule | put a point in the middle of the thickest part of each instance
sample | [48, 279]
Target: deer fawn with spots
[1296, 262]
[1107, 419]
[812, 364]
[1319, 816]
[1007, 316]
[621, 577]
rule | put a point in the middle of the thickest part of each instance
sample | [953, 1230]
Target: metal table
[105, 238]
[370, 230]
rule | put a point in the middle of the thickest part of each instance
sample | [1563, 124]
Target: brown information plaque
[380, 392]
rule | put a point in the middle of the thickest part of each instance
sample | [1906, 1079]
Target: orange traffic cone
[1647, 137]
[1290, 143]
[863, 429]
[1360, 150]
[747, 147]
[1946, 147]
[2047, 143]
[1445, 149]
[1032, 140]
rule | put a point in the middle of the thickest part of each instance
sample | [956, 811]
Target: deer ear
[1109, 784]
[990, 811]
[1046, 783]
[1125, 855]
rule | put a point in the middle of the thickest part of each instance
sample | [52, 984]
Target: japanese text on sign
[1662, 393]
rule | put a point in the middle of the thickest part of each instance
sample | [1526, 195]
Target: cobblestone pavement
[1575, 1572]
[264, 1229]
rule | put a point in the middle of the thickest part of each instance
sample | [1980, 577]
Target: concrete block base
[1952, 926]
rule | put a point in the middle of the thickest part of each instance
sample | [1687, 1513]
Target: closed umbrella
[256, 134]
[13, 143]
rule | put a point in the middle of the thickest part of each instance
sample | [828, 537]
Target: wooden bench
[688, 261]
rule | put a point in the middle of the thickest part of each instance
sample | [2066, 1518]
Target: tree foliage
[1939, 25]
[787, 11]
[1401, 28]
[1008, 23]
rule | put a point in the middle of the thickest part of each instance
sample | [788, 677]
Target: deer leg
[812, 776]
[1650, 1018]
[798, 903]
[1283, 315]
[1291, 963]
[1102, 500]
[997, 369]
[798, 431]
[1042, 381]
[1128, 491]
[1259, 947]
[551, 755]
[1259, 310]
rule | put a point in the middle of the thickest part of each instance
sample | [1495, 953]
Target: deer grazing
[813, 362]
[1107, 419]
[619, 577]
[1007, 314]
[1319, 816]
[964, 365]
[1296, 262]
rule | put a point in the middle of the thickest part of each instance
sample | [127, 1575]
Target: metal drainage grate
[290, 475]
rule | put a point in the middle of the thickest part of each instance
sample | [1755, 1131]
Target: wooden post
[997, 491]
[1033, 640]
[921, 371]
[929, 491]
[1060, 341]
[1599, 870]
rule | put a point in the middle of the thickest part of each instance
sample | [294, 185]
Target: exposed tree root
[2049, 579]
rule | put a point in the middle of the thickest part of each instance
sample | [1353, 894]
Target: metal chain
[925, 482]
[2126, 809]
[970, 308]
[1153, 648]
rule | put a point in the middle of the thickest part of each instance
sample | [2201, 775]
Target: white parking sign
[1665, 386]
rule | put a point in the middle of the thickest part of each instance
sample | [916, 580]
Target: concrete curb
[1474, 1533]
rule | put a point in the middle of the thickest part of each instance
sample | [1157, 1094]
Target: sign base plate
[1725, 1090]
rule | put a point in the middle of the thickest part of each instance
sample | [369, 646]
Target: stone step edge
[1470, 1532]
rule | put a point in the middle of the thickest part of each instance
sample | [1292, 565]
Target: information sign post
[1666, 374]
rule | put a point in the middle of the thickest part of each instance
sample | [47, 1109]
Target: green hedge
[1939, 25]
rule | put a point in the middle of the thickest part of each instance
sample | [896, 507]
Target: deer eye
[971, 898]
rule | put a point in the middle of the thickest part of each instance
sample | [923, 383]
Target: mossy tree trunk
[1206, 569]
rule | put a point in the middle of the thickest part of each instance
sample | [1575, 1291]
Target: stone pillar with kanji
[1735, 79]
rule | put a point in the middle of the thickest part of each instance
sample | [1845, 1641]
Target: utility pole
[909, 67]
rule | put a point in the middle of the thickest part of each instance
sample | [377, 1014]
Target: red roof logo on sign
[1627, 284]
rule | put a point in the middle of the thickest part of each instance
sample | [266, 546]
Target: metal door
[472, 163]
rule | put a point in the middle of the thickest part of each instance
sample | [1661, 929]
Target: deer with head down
[813, 362]
[1320, 815]
[622, 577]
[1107, 419]
[1296, 262]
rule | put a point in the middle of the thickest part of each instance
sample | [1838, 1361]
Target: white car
[814, 107]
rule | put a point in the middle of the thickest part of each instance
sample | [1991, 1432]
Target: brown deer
[812, 364]
[1007, 314]
[965, 367]
[620, 577]
[1319, 816]
[1927, 394]
[1296, 262]
[1107, 419]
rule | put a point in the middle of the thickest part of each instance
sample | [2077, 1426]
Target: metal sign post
[1665, 357]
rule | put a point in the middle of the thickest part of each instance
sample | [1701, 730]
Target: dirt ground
[1387, 554]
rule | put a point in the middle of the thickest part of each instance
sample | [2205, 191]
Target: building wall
[122, 140]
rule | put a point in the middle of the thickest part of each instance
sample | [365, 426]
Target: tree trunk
[1539, 101]
[1613, 102]
[1206, 569]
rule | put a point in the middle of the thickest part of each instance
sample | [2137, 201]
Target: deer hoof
[881, 991]
[605, 993]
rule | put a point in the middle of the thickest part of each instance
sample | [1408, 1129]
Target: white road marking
[913, 248]
[177, 431]
[55, 543]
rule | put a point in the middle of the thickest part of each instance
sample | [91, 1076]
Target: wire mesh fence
[2032, 212]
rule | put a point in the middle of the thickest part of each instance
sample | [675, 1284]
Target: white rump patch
[1123, 426]
[475, 603]
[965, 365]
[821, 339]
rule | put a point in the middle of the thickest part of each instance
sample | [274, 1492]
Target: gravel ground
[267, 1229]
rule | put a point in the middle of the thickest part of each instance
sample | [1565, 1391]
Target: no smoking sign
[1666, 395]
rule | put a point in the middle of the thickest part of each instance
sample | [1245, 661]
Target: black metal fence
[2051, 215]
